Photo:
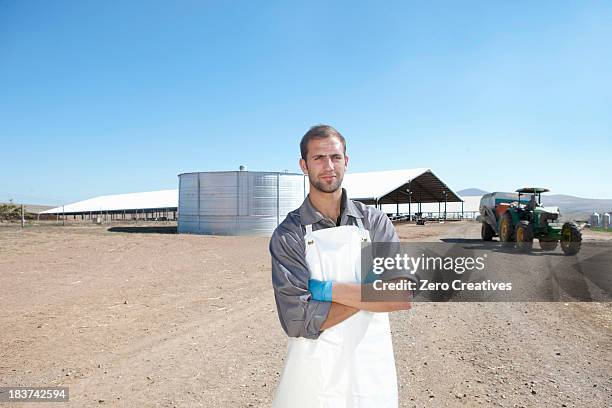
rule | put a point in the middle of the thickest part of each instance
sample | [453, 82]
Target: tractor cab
[533, 210]
[534, 194]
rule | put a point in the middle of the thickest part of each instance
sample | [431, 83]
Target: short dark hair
[320, 132]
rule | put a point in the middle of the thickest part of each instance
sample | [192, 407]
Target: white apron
[351, 364]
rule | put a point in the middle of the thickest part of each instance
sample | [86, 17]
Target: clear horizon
[105, 98]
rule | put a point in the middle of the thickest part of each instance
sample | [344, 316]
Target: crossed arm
[300, 313]
[346, 298]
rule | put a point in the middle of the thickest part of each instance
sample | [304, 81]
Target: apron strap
[308, 229]
[359, 223]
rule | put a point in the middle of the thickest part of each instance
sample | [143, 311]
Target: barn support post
[445, 201]
[420, 201]
[409, 201]
[409, 205]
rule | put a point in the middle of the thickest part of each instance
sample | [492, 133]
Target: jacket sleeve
[299, 315]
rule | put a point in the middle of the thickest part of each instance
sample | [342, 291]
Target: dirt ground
[133, 318]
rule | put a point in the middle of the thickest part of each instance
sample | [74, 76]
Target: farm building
[254, 203]
[149, 205]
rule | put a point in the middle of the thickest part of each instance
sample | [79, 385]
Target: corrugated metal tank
[237, 202]
[606, 220]
[594, 220]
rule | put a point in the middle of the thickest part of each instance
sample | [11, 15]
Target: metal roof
[386, 187]
[393, 186]
[117, 202]
[241, 171]
[532, 190]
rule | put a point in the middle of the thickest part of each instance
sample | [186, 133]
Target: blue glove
[320, 290]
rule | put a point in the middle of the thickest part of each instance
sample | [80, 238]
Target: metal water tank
[237, 202]
[605, 220]
[594, 220]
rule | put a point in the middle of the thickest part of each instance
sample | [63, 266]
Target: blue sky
[101, 97]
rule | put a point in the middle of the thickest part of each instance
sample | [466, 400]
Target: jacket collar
[310, 215]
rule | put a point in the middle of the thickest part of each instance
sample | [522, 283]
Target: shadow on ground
[145, 230]
[502, 247]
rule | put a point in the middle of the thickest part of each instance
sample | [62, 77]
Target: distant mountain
[577, 207]
[471, 192]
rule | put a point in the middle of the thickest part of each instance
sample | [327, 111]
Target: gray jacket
[301, 316]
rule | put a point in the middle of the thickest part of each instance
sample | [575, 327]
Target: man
[340, 352]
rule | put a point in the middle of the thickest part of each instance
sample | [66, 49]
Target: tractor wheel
[486, 232]
[571, 237]
[506, 229]
[524, 236]
[548, 245]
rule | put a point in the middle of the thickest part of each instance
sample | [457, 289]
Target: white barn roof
[117, 202]
[385, 187]
[390, 187]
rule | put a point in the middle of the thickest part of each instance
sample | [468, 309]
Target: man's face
[325, 164]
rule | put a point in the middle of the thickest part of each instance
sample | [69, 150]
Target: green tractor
[522, 219]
